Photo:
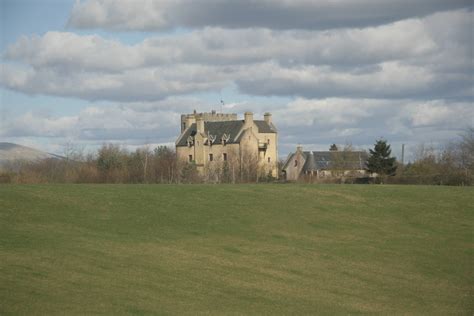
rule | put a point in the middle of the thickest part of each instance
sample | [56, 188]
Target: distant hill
[12, 153]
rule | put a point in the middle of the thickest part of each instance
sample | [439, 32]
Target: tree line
[110, 164]
[452, 165]
[115, 164]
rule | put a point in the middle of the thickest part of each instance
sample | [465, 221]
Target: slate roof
[220, 128]
[264, 127]
[323, 160]
[351, 160]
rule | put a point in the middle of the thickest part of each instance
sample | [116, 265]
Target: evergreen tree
[333, 147]
[380, 161]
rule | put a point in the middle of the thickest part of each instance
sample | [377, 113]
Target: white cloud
[388, 80]
[402, 40]
[70, 51]
[316, 123]
[129, 121]
[436, 113]
[142, 84]
[400, 70]
[405, 59]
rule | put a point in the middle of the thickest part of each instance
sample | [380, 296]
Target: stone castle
[209, 139]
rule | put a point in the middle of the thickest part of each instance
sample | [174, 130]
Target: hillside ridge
[12, 153]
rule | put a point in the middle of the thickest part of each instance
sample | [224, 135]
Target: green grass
[243, 249]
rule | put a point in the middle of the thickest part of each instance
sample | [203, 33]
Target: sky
[90, 72]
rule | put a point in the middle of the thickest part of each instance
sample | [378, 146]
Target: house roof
[264, 127]
[220, 128]
[323, 160]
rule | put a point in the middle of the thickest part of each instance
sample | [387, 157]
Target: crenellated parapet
[189, 119]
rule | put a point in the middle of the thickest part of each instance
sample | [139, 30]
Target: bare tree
[248, 165]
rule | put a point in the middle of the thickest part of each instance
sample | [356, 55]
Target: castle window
[190, 158]
[268, 142]
[211, 157]
[184, 126]
[269, 159]
[224, 156]
[296, 163]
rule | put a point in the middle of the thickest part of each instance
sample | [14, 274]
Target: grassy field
[243, 249]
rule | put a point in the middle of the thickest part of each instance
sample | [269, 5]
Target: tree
[379, 161]
[466, 147]
[164, 164]
[110, 162]
[190, 174]
[333, 147]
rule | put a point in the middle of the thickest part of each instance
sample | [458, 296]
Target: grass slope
[245, 249]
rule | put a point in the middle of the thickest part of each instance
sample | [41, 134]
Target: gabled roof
[220, 128]
[310, 162]
[264, 127]
[323, 160]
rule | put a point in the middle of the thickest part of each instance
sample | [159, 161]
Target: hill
[12, 153]
[236, 249]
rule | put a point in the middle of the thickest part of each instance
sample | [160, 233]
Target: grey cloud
[416, 58]
[72, 52]
[143, 84]
[274, 14]
[140, 121]
[430, 57]
[315, 123]
[389, 80]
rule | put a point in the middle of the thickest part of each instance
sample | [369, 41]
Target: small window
[269, 159]
[211, 157]
[296, 163]
[184, 126]
[268, 141]
[190, 158]
[224, 156]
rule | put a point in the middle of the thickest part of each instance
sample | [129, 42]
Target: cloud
[142, 84]
[416, 58]
[152, 15]
[136, 121]
[216, 46]
[72, 52]
[315, 123]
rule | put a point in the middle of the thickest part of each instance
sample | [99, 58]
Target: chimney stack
[268, 118]
[299, 148]
[248, 119]
[200, 125]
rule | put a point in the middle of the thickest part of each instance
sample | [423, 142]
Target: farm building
[324, 164]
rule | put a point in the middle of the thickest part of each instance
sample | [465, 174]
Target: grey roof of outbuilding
[321, 160]
[218, 129]
[318, 160]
